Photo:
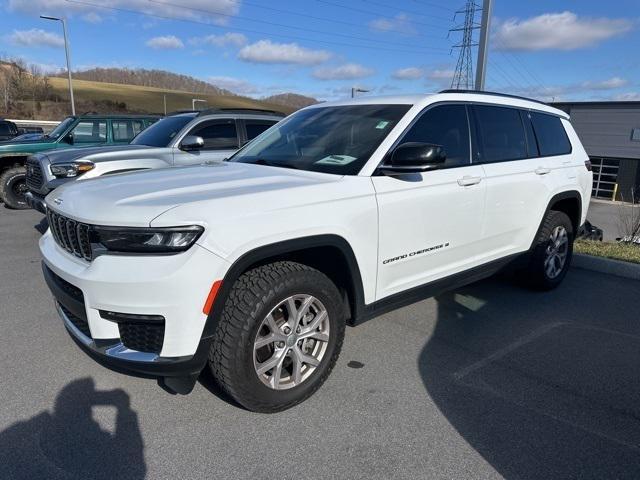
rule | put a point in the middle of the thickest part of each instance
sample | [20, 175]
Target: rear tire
[284, 314]
[552, 252]
[13, 187]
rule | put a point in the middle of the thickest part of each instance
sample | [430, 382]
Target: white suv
[340, 212]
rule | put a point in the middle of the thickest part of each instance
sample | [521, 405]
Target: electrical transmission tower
[463, 76]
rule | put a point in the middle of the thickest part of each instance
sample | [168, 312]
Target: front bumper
[174, 287]
[36, 202]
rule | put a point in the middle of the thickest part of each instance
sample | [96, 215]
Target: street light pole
[66, 51]
[483, 45]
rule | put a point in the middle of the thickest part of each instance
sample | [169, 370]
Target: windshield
[162, 132]
[61, 128]
[336, 140]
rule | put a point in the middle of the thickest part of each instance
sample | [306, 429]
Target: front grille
[34, 174]
[71, 235]
[142, 337]
[80, 323]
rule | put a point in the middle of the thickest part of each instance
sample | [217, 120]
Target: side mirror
[69, 138]
[191, 142]
[415, 157]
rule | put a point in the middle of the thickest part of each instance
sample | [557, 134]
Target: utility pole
[463, 75]
[164, 96]
[355, 90]
[66, 51]
[483, 47]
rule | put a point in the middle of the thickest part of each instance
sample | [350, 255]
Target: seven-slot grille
[71, 235]
[34, 174]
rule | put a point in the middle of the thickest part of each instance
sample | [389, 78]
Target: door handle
[542, 170]
[468, 180]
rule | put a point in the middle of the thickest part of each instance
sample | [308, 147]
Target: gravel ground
[490, 381]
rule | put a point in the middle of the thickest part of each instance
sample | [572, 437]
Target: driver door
[220, 141]
[430, 223]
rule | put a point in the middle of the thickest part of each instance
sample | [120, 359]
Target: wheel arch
[13, 160]
[568, 202]
[330, 254]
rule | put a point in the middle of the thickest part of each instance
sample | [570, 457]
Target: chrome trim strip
[117, 349]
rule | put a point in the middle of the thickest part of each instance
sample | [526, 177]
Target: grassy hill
[150, 99]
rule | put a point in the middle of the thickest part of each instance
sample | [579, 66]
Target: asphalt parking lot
[491, 381]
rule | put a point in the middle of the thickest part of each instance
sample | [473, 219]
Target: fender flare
[569, 194]
[280, 248]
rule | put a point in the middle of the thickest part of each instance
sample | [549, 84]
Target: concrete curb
[606, 265]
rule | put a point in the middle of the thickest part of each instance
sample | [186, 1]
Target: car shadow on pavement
[542, 385]
[70, 443]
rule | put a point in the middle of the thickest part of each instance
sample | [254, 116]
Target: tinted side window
[125, 130]
[444, 125]
[501, 134]
[532, 144]
[218, 135]
[256, 127]
[90, 131]
[552, 138]
[5, 129]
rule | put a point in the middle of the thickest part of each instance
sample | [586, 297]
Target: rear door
[431, 222]
[221, 140]
[124, 130]
[517, 180]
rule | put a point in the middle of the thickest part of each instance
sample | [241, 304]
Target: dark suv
[74, 131]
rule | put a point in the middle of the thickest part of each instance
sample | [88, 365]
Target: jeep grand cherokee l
[344, 210]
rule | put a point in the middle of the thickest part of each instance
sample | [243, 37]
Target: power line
[435, 5]
[395, 8]
[368, 12]
[322, 19]
[281, 25]
[431, 50]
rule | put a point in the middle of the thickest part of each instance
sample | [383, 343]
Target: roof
[423, 100]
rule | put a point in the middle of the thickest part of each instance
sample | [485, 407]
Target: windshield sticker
[382, 125]
[336, 160]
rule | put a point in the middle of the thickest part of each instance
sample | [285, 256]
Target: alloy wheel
[557, 251]
[291, 342]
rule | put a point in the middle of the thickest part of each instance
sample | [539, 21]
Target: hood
[135, 199]
[71, 154]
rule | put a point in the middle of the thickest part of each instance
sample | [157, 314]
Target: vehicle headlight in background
[72, 169]
[145, 240]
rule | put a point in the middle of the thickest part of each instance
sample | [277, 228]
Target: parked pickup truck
[74, 131]
[177, 140]
[338, 213]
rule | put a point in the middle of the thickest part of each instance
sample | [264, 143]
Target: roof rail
[211, 111]
[179, 112]
[495, 94]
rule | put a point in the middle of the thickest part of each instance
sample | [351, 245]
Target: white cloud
[400, 23]
[410, 73]
[557, 31]
[92, 17]
[347, 71]
[229, 38]
[236, 85]
[441, 74]
[36, 38]
[215, 11]
[628, 96]
[168, 42]
[266, 51]
[609, 84]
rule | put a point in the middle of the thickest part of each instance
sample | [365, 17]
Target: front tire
[552, 252]
[279, 336]
[13, 186]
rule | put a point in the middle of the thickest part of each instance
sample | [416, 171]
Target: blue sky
[581, 50]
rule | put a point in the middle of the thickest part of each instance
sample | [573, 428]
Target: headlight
[145, 240]
[72, 169]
